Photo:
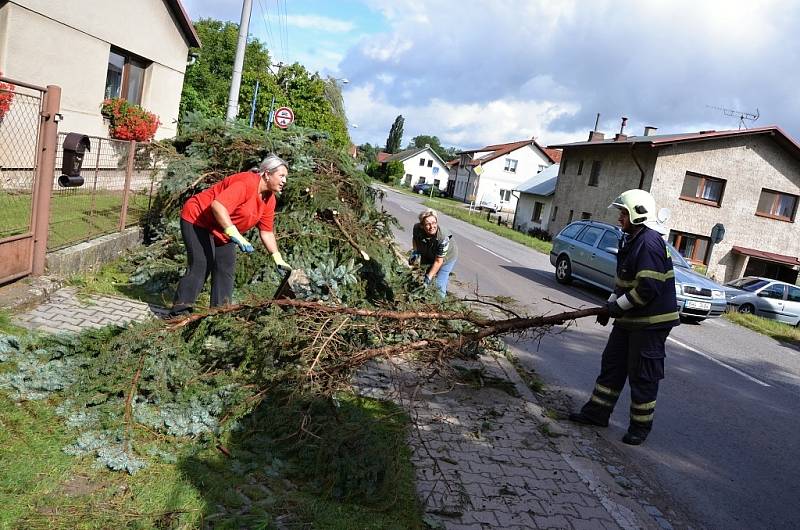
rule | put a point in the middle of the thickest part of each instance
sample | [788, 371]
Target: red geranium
[128, 121]
[6, 97]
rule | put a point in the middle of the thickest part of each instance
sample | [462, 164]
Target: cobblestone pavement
[486, 455]
[66, 312]
[489, 458]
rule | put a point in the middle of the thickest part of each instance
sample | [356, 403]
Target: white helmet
[640, 205]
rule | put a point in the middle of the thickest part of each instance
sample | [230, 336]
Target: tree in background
[316, 103]
[208, 81]
[432, 141]
[445, 153]
[309, 96]
[395, 135]
[369, 152]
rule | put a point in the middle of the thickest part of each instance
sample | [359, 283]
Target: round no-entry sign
[284, 117]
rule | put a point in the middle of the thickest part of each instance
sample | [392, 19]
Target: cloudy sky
[481, 72]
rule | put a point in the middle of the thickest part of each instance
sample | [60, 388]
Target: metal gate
[28, 128]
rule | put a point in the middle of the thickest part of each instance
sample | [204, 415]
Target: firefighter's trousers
[637, 355]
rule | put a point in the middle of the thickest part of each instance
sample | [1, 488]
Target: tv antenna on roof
[738, 114]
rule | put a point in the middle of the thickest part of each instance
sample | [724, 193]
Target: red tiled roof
[383, 156]
[499, 150]
[768, 256]
[554, 154]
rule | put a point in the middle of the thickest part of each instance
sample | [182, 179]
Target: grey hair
[270, 164]
[428, 213]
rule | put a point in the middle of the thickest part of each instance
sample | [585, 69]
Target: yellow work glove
[279, 261]
[233, 233]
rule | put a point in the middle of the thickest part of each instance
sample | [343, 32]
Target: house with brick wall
[746, 180]
[495, 171]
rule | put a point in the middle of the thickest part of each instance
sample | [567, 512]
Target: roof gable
[402, 156]
[498, 150]
[183, 21]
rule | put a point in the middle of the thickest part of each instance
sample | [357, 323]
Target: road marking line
[731, 368]
[493, 254]
[404, 208]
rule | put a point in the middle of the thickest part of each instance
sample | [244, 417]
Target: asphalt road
[726, 438]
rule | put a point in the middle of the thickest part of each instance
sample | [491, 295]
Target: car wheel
[563, 270]
[747, 309]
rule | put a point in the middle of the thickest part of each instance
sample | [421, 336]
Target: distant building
[421, 166]
[491, 173]
[535, 200]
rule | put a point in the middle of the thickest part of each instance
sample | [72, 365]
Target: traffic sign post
[284, 117]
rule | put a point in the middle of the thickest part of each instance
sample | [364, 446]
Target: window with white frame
[430, 163]
[422, 161]
[511, 165]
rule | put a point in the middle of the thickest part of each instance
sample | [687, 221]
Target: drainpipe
[641, 170]
[516, 208]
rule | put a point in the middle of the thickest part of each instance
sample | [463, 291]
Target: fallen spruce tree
[162, 389]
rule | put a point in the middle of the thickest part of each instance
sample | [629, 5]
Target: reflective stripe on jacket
[646, 277]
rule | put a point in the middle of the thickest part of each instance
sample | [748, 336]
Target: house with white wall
[95, 49]
[494, 171]
[421, 165]
[535, 200]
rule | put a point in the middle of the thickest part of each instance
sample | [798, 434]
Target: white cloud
[659, 62]
[327, 24]
[461, 125]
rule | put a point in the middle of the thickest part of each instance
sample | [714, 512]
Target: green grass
[7, 326]
[74, 216]
[771, 328]
[456, 209]
[111, 279]
[42, 487]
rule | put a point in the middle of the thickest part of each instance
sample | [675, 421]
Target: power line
[264, 17]
[280, 18]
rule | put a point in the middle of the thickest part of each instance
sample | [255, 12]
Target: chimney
[619, 137]
[595, 136]
[622, 127]
[649, 130]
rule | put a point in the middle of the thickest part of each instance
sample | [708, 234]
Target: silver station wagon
[765, 297]
[587, 251]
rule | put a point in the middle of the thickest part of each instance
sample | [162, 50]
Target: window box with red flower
[128, 121]
[6, 97]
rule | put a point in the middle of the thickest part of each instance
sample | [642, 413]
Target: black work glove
[602, 318]
[614, 310]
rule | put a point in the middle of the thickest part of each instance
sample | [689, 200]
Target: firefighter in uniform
[644, 309]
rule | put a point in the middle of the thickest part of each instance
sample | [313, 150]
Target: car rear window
[591, 235]
[571, 231]
[794, 294]
[609, 240]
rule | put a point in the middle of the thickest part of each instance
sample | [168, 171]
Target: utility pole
[238, 62]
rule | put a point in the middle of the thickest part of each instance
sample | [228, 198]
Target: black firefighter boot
[641, 423]
[598, 409]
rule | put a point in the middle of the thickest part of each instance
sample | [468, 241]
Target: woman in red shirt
[212, 223]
